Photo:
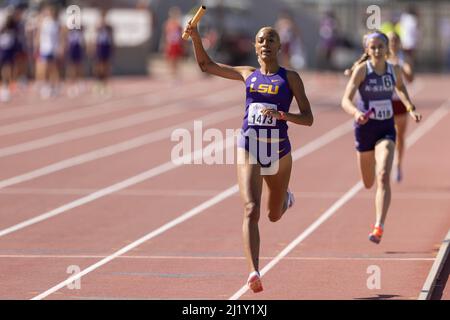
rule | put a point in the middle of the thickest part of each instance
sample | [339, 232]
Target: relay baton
[198, 15]
[368, 113]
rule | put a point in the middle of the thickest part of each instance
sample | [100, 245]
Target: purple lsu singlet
[266, 91]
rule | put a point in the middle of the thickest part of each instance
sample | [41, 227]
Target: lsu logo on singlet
[265, 88]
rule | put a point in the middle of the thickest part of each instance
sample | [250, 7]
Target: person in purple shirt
[375, 79]
[20, 71]
[9, 44]
[75, 54]
[104, 49]
[263, 142]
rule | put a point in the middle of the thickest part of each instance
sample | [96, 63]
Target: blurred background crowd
[41, 42]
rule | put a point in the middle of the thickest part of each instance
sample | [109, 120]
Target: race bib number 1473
[256, 118]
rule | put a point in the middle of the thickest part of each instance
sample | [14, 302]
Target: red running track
[62, 160]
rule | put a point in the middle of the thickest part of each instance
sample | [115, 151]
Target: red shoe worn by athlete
[376, 234]
[254, 282]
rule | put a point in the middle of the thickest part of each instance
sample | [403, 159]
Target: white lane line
[48, 256]
[85, 100]
[328, 213]
[211, 192]
[323, 140]
[198, 154]
[126, 145]
[149, 100]
[311, 147]
[220, 197]
[96, 129]
[158, 170]
[108, 126]
[431, 121]
[132, 91]
[139, 141]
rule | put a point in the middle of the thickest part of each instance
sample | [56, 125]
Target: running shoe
[254, 282]
[376, 234]
[291, 199]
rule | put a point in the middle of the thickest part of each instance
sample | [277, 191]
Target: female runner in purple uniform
[269, 92]
[375, 134]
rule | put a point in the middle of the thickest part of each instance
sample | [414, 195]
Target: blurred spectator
[392, 24]
[286, 29]
[291, 53]
[31, 33]
[328, 33]
[226, 32]
[146, 5]
[74, 46]
[173, 43]
[21, 59]
[8, 49]
[104, 50]
[409, 31]
[444, 31]
[50, 51]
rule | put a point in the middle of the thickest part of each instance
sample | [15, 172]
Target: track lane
[138, 274]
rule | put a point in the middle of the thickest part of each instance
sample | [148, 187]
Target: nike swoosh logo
[280, 151]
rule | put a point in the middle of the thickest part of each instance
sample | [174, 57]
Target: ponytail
[364, 57]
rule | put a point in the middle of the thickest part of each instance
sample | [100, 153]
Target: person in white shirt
[49, 50]
[409, 26]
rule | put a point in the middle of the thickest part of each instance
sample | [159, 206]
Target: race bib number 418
[256, 118]
[382, 109]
